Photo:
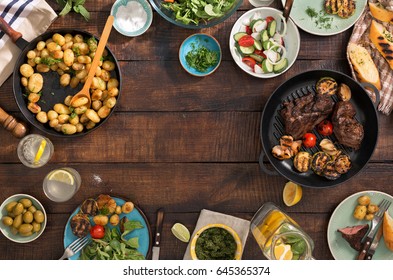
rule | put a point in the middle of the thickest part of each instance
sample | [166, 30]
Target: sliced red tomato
[250, 62]
[309, 140]
[248, 30]
[269, 19]
[260, 52]
[97, 232]
[325, 128]
[246, 41]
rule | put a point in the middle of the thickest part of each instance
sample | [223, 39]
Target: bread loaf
[382, 40]
[364, 66]
[380, 13]
[388, 230]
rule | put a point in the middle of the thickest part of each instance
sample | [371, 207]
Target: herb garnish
[49, 60]
[76, 5]
[321, 19]
[201, 58]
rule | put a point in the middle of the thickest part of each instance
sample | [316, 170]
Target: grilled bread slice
[380, 13]
[364, 66]
[388, 230]
[382, 40]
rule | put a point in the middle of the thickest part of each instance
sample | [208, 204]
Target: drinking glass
[61, 184]
[279, 236]
[35, 150]
[260, 3]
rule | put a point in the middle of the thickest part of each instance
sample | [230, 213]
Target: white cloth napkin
[206, 217]
[29, 17]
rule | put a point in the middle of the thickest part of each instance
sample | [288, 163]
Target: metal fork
[375, 224]
[75, 247]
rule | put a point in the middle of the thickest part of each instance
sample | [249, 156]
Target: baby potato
[33, 97]
[45, 53]
[80, 102]
[64, 66]
[53, 123]
[68, 128]
[59, 54]
[58, 127]
[127, 207]
[101, 220]
[79, 127]
[81, 74]
[65, 79]
[24, 81]
[83, 119]
[59, 39]
[112, 83]
[364, 200]
[90, 125]
[78, 38]
[54, 67]
[96, 105]
[118, 209]
[48, 41]
[74, 119]
[40, 45]
[52, 115]
[84, 59]
[92, 115]
[83, 48]
[74, 82]
[43, 68]
[34, 107]
[108, 65]
[61, 109]
[31, 62]
[80, 110]
[42, 117]
[37, 60]
[52, 47]
[98, 71]
[60, 71]
[103, 112]
[31, 54]
[113, 92]
[110, 102]
[67, 46]
[96, 94]
[114, 220]
[63, 118]
[36, 82]
[78, 66]
[372, 208]
[105, 75]
[26, 70]
[360, 212]
[68, 37]
[369, 217]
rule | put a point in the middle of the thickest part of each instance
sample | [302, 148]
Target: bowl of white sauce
[132, 17]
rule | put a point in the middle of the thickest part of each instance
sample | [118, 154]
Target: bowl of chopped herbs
[200, 54]
[195, 14]
[216, 242]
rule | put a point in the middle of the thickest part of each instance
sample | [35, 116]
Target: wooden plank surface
[180, 142]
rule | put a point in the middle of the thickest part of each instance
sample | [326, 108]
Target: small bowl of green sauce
[216, 242]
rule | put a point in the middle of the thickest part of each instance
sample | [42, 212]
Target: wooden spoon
[85, 91]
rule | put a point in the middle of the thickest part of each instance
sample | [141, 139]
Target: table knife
[374, 245]
[157, 239]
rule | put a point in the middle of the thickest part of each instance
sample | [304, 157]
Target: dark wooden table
[181, 142]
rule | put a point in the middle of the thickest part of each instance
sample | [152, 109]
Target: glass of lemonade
[278, 236]
[35, 150]
[61, 184]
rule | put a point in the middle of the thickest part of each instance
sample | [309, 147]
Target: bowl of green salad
[195, 14]
[200, 54]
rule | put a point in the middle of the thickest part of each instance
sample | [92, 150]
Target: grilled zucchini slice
[302, 161]
[327, 85]
[319, 161]
[330, 171]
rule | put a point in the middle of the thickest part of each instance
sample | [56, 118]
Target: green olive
[10, 214]
[28, 217]
[26, 202]
[14, 231]
[18, 209]
[26, 234]
[17, 221]
[32, 209]
[25, 228]
[10, 206]
[36, 227]
[7, 221]
[24, 211]
[39, 216]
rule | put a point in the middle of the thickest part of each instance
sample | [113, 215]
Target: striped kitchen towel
[360, 36]
[29, 17]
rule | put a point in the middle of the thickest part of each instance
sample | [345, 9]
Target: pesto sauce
[215, 244]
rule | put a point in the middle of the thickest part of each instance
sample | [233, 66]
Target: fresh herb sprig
[201, 58]
[76, 5]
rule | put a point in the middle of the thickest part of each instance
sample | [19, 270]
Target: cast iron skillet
[272, 127]
[52, 92]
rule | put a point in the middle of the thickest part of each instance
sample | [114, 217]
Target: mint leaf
[85, 13]
[66, 9]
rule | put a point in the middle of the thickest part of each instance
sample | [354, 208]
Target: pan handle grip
[17, 129]
[376, 92]
[263, 166]
[14, 35]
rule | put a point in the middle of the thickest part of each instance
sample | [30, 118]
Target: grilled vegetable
[325, 128]
[90, 207]
[327, 85]
[281, 153]
[302, 161]
[343, 164]
[330, 171]
[286, 141]
[328, 147]
[344, 92]
[80, 225]
[319, 161]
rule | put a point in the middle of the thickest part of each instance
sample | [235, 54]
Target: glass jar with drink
[35, 150]
[279, 236]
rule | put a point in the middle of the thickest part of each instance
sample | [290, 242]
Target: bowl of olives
[23, 218]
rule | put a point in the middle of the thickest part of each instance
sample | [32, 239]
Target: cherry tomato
[97, 232]
[246, 41]
[248, 30]
[325, 128]
[309, 140]
[249, 61]
[260, 52]
[269, 19]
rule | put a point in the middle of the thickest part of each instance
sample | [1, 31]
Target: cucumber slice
[255, 22]
[267, 67]
[238, 35]
[281, 66]
[259, 25]
[264, 36]
[247, 50]
[271, 28]
[257, 45]
[258, 58]
[238, 49]
[267, 45]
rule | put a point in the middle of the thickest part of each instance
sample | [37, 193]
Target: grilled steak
[303, 114]
[347, 129]
[354, 235]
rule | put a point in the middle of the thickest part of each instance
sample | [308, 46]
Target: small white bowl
[6, 230]
[120, 10]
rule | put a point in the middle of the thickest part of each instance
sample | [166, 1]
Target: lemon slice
[62, 176]
[292, 193]
[283, 252]
[181, 232]
[40, 151]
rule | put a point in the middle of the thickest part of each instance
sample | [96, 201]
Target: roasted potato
[360, 212]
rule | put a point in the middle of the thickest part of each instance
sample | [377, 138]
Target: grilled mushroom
[343, 164]
[344, 92]
[90, 207]
[302, 161]
[328, 147]
[80, 225]
[286, 141]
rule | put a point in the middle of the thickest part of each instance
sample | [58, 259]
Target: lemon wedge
[283, 252]
[181, 232]
[62, 176]
[40, 151]
[292, 193]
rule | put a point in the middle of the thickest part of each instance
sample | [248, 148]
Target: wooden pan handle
[17, 129]
[4, 26]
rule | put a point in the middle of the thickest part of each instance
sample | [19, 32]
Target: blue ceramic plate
[343, 217]
[121, 6]
[144, 233]
[196, 40]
